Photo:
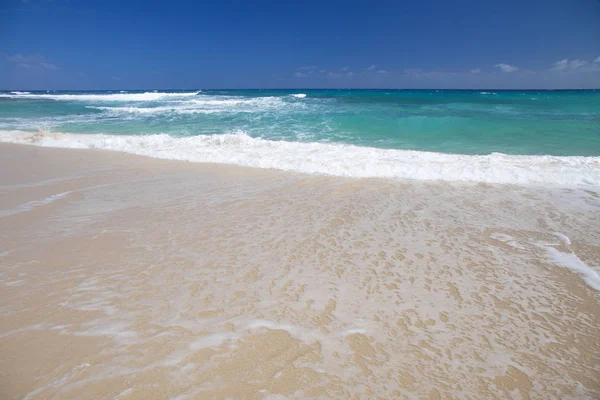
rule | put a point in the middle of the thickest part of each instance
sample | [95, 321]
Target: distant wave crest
[202, 105]
[147, 96]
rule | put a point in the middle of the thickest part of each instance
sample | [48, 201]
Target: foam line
[334, 159]
[148, 96]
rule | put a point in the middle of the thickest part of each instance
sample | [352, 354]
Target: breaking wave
[334, 159]
[147, 96]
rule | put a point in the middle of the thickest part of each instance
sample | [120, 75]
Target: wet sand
[135, 278]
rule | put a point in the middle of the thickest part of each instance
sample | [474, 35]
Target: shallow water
[128, 277]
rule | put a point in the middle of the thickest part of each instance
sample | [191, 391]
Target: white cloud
[560, 65]
[50, 66]
[116, 78]
[32, 61]
[17, 58]
[350, 74]
[507, 67]
[306, 71]
[597, 60]
[565, 64]
[372, 67]
[578, 63]
[382, 71]
[476, 71]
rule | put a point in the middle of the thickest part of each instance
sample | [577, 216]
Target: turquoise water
[562, 123]
[514, 137]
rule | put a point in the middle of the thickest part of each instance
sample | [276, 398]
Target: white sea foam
[204, 105]
[299, 95]
[33, 204]
[148, 96]
[334, 159]
[507, 239]
[565, 239]
[212, 340]
[571, 261]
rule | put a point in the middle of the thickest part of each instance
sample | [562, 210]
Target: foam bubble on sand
[574, 263]
[563, 238]
[33, 204]
[571, 261]
[334, 159]
[507, 239]
[212, 340]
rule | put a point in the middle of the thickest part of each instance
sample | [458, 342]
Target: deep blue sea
[474, 135]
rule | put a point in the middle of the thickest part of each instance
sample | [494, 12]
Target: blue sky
[79, 44]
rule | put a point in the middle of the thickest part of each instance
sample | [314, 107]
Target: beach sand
[135, 278]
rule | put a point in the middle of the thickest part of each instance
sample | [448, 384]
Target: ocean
[386, 244]
[519, 137]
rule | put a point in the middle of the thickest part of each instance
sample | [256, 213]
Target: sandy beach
[126, 277]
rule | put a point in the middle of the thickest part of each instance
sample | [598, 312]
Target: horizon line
[316, 88]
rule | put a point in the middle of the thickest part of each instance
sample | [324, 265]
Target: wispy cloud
[507, 67]
[372, 69]
[32, 61]
[567, 64]
[577, 63]
[576, 66]
[577, 73]
[50, 66]
[306, 71]
[116, 78]
[312, 71]
[472, 77]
